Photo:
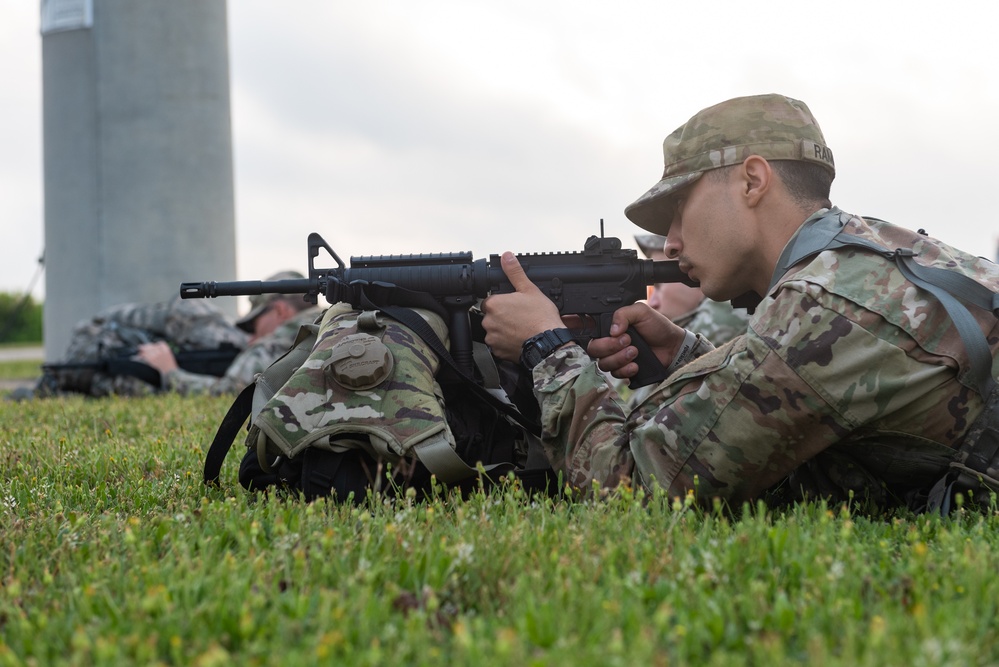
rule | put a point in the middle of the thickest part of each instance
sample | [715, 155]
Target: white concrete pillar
[138, 154]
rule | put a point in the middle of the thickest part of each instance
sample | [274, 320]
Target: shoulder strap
[949, 287]
[980, 372]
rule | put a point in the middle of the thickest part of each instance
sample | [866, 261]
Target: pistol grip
[650, 369]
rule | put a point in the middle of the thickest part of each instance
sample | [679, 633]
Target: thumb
[619, 323]
[515, 273]
[627, 316]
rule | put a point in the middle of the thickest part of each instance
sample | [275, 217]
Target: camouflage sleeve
[582, 418]
[186, 382]
[584, 413]
[244, 368]
[740, 418]
[241, 372]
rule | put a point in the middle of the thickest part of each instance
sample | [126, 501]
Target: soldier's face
[266, 322]
[674, 299]
[708, 234]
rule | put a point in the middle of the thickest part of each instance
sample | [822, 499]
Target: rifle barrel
[668, 271]
[211, 289]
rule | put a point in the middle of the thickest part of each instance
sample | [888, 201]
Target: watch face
[532, 354]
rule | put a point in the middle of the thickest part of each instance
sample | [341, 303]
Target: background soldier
[144, 334]
[273, 323]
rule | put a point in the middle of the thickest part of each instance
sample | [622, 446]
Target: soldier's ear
[757, 178]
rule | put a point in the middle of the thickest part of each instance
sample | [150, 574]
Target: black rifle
[120, 361]
[591, 284]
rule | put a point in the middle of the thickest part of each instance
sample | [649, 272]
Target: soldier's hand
[510, 319]
[158, 355]
[615, 354]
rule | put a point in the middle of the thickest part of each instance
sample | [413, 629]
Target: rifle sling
[226, 434]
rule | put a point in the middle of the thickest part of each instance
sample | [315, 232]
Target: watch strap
[536, 348]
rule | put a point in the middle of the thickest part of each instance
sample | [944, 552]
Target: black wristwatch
[538, 347]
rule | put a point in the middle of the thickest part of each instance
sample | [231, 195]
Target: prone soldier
[272, 324]
[868, 367]
[136, 349]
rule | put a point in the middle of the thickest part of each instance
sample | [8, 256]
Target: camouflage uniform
[849, 379]
[188, 323]
[244, 368]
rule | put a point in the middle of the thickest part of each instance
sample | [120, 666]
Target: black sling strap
[226, 433]
[423, 329]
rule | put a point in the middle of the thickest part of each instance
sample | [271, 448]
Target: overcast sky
[443, 126]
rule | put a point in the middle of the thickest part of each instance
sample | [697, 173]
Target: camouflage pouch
[360, 390]
[369, 384]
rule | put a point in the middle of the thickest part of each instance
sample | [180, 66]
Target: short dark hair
[807, 183]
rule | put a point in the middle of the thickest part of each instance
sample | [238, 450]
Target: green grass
[20, 369]
[112, 552]
[24, 369]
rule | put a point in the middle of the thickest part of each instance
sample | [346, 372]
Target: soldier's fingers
[627, 316]
[619, 365]
[626, 371]
[599, 348]
[613, 354]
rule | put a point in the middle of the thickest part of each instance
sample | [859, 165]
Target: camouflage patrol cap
[260, 302]
[651, 243]
[771, 126]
